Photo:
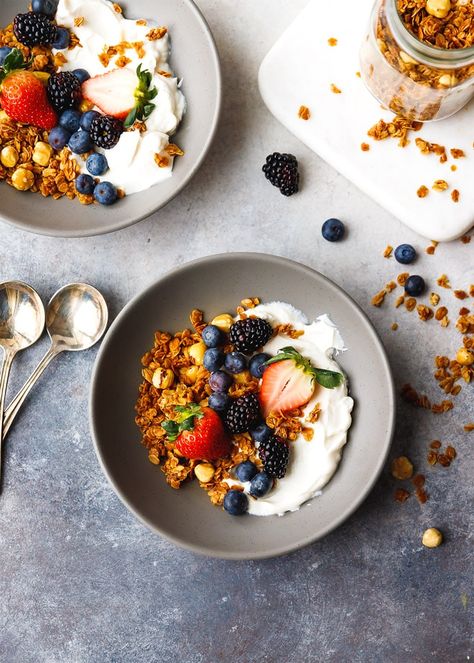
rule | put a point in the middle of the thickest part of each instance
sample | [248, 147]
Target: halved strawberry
[122, 93]
[199, 433]
[288, 382]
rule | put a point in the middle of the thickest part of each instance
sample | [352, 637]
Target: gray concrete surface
[81, 581]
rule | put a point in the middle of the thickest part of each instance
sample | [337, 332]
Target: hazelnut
[224, 321]
[163, 378]
[432, 538]
[465, 357]
[448, 80]
[204, 472]
[191, 374]
[42, 153]
[438, 8]
[407, 59]
[23, 179]
[197, 351]
[9, 156]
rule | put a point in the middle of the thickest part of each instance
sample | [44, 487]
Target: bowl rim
[308, 539]
[111, 227]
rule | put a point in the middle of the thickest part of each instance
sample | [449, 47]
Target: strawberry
[199, 433]
[289, 380]
[22, 95]
[122, 93]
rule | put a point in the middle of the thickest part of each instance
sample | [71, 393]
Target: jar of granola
[418, 58]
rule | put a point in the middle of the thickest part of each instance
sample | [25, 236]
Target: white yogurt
[312, 464]
[131, 161]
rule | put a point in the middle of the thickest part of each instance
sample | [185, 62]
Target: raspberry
[274, 454]
[243, 414]
[282, 171]
[250, 334]
[34, 29]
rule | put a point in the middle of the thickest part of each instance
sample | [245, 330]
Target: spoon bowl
[22, 316]
[76, 317]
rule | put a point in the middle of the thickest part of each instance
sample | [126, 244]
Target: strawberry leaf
[186, 416]
[14, 60]
[143, 96]
[327, 379]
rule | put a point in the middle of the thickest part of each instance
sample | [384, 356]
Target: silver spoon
[21, 325]
[76, 319]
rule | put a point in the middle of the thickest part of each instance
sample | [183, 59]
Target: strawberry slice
[198, 432]
[289, 380]
[122, 93]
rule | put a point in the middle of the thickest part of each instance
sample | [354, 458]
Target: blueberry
[333, 230]
[80, 142]
[405, 253]
[97, 164]
[415, 286]
[246, 471]
[219, 402]
[70, 120]
[105, 193]
[257, 364]
[236, 503]
[4, 51]
[62, 39]
[260, 485]
[82, 75]
[86, 119]
[220, 381]
[235, 362]
[213, 359]
[46, 7]
[261, 433]
[59, 138]
[85, 184]
[213, 336]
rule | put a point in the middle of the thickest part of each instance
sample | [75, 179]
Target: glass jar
[415, 78]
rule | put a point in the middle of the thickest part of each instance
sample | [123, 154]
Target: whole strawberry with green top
[198, 432]
[22, 95]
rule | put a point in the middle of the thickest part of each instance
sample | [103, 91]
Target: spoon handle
[4, 373]
[15, 405]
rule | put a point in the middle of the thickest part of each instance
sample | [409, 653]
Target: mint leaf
[328, 379]
[171, 428]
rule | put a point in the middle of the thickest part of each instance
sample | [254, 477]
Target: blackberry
[282, 171]
[34, 29]
[105, 131]
[274, 454]
[243, 414]
[250, 334]
[64, 91]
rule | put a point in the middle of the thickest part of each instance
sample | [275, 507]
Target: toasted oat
[402, 468]
[455, 195]
[440, 185]
[365, 147]
[173, 150]
[401, 495]
[388, 252]
[117, 8]
[394, 326]
[434, 299]
[378, 299]
[313, 416]
[410, 304]
[399, 127]
[426, 147]
[161, 161]
[423, 191]
[424, 312]
[443, 281]
[469, 428]
[332, 41]
[122, 61]
[141, 21]
[399, 301]
[78, 21]
[304, 113]
[335, 89]
[457, 154]
[402, 278]
[441, 313]
[156, 33]
[288, 330]
[460, 294]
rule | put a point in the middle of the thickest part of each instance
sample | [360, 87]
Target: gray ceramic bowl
[186, 516]
[194, 58]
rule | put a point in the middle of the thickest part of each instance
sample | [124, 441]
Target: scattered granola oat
[402, 468]
[335, 89]
[401, 495]
[394, 326]
[304, 113]
[457, 154]
[469, 428]
[332, 41]
[388, 252]
[440, 185]
[365, 147]
[423, 191]
[399, 127]
[443, 281]
[455, 195]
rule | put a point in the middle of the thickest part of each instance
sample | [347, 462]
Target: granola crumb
[335, 89]
[332, 41]
[304, 113]
[466, 239]
[156, 33]
[434, 299]
[457, 154]
[440, 185]
[402, 468]
[399, 301]
[454, 167]
[365, 147]
[423, 191]
[443, 281]
[401, 495]
[455, 195]
[388, 251]
[394, 326]
[78, 21]
[469, 428]
[402, 278]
